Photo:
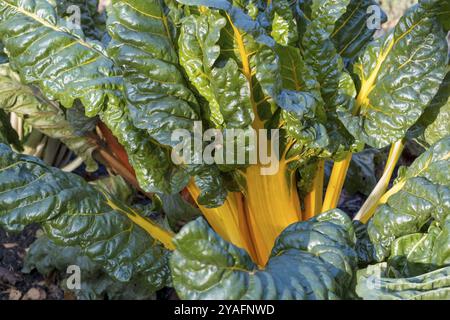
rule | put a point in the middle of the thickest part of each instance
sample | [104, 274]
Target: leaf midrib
[53, 27]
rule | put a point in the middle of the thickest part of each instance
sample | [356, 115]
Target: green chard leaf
[284, 26]
[60, 61]
[434, 124]
[373, 284]
[81, 124]
[440, 128]
[91, 21]
[46, 256]
[310, 260]
[400, 74]
[244, 42]
[115, 187]
[42, 115]
[219, 81]
[88, 76]
[361, 175]
[328, 12]
[178, 211]
[158, 98]
[143, 45]
[151, 162]
[351, 33]
[336, 85]
[74, 213]
[423, 195]
[441, 8]
[364, 247]
[199, 52]
[302, 104]
[418, 253]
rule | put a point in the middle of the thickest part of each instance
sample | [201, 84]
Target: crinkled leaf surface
[115, 187]
[81, 124]
[143, 45]
[46, 256]
[42, 115]
[151, 162]
[68, 67]
[399, 74]
[418, 253]
[199, 51]
[60, 61]
[424, 194]
[336, 85]
[73, 213]
[158, 98]
[374, 285]
[364, 247]
[302, 104]
[310, 260]
[284, 26]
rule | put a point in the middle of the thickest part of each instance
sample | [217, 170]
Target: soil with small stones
[15, 285]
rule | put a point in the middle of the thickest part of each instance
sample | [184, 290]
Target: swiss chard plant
[312, 75]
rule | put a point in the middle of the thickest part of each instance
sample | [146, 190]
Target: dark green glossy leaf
[351, 33]
[310, 260]
[302, 104]
[178, 211]
[440, 128]
[328, 12]
[361, 175]
[242, 13]
[364, 247]
[115, 187]
[246, 41]
[419, 253]
[91, 20]
[158, 98]
[80, 124]
[73, 213]
[434, 124]
[441, 8]
[223, 86]
[411, 255]
[199, 52]
[46, 257]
